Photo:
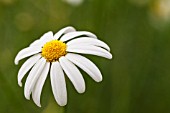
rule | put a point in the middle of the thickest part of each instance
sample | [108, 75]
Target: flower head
[57, 54]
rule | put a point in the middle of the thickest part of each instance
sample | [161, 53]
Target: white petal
[26, 52]
[58, 84]
[72, 35]
[86, 65]
[44, 39]
[35, 43]
[36, 93]
[47, 36]
[33, 76]
[63, 31]
[26, 67]
[89, 49]
[73, 74]
[88, 41]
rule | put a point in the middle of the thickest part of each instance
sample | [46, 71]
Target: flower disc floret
[53, 50]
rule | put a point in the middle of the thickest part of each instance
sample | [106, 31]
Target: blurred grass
[135, 81]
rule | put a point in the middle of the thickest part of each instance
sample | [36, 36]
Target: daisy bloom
[57, 54]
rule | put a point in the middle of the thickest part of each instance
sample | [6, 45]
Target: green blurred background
[137, 80]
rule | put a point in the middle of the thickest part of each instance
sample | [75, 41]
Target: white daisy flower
[57, 54]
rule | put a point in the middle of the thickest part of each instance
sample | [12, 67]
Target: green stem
[53, 107]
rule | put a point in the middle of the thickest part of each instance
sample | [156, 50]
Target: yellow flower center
[53, 50]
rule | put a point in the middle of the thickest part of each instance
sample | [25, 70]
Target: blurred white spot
[160, 13]
[74, 2]
[24, 21]
[161, 9]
